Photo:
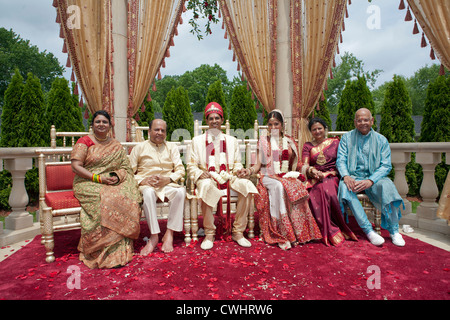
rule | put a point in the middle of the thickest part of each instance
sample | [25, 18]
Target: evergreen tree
[215, 94]
[16, 52]
[177, 113]
[355, 95]
[77, 112]
[148, 114]
[242, 110]
[397, 124]
[34, 130]
[346, 108]
[436, 121]
[145, 117]
[436, 118]
[61, 111]
[323, 113]
[11, 108]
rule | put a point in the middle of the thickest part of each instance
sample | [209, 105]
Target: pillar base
[19, 222]
[427, 210]
[13, 236]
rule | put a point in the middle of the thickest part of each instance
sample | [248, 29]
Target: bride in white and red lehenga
[282, 204]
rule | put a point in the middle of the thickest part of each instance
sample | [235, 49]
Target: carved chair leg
[187, 222]
[251, 219]
[41, 222]
[377, 220]
[194, 219]
[47, 234]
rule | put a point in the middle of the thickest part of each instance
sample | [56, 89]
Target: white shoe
[244, 242]
[397, 239]
[207, 244]
[375, 238]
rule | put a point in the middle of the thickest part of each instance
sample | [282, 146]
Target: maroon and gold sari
[298, 225]
[109, 213]
[323, 198]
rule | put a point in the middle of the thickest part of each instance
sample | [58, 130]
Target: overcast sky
[375, 33]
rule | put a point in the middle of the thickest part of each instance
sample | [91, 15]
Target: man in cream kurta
[158, 167]
[199, 167]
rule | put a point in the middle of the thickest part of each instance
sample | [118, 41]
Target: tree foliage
[62, 108]
[417, 86]
[436, 118]
[349, 68]
[216, 94]
[197, 83]
[11, 108]
[18, 53]
[144, 117]
[177, 113]
[34, 130]
[397, 124]
[323, 113]
[355, 95]
[436, 121]
[202, 9]
[242, 110]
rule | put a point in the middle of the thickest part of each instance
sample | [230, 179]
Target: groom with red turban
[215, 167]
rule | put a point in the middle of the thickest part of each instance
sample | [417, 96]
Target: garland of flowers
[223, 176]
[283, 170]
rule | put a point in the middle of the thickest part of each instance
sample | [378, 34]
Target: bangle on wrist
[96, 178]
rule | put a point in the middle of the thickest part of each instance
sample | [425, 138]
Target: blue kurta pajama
[369, 157]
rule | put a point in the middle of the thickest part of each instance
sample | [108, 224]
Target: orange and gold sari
[109, 213]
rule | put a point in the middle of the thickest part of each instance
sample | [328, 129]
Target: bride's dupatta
[110, 213]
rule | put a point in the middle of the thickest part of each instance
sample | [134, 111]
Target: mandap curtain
[315, 27]
[315, 30]
[151, 27]
[86, 30]
[434, 17]
[251, 26]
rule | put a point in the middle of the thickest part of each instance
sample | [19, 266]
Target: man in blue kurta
[364, 161]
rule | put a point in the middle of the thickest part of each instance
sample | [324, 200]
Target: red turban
[213, 107]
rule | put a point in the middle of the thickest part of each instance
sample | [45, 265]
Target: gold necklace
[99, 139]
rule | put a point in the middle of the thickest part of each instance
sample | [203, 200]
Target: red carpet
[229, 272]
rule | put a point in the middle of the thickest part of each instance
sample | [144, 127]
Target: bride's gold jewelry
[100, 139]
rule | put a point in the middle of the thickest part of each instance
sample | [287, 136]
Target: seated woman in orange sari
[323, 182]
[109, 197]
[282, 202]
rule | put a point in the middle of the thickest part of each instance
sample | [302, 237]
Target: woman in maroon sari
[323, 182]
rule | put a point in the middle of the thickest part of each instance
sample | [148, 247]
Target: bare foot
[150, 246]
[167, 241]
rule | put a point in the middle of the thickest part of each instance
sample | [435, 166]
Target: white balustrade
[428, 155]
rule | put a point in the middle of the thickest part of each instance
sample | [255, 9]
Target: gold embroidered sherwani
[207, 189]
[148, 159]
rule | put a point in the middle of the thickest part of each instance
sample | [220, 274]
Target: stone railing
[428, 155]
[19, 224]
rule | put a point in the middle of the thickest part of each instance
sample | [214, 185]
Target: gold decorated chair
[372, 213]
[58, 207]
